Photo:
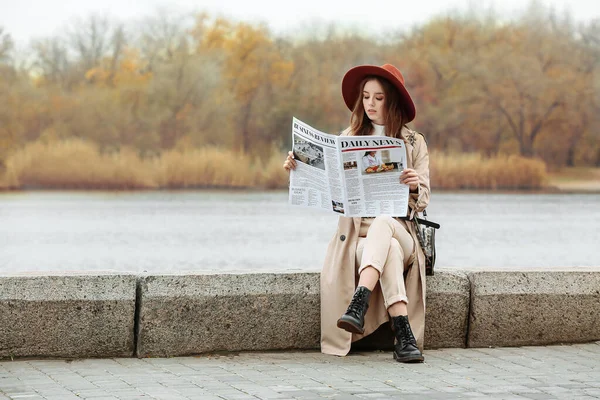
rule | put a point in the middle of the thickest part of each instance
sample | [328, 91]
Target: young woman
[371, 159]
[374, 270]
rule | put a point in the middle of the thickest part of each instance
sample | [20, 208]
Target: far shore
[76, 165]
[566, 181]
[576, 187]
[575, 180]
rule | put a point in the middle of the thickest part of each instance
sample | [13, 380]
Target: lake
[226, 231]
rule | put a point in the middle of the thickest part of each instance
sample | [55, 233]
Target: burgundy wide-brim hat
[353, 78]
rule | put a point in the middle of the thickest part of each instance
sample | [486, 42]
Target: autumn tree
[177, 81]
[436, 58]
[183, 93]
[64, 60]
[52, 65]
[6, 46]
[95, 38]
[160, 37]
[253, 69]
[320, 60]
[482, 84]
[7, 76]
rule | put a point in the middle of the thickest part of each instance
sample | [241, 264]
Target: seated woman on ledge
[383, 253]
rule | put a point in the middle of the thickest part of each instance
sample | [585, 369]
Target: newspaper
[355, 176]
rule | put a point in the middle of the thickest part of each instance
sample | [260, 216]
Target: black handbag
[426, 235]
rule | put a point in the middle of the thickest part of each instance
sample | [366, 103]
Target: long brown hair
[394, 114]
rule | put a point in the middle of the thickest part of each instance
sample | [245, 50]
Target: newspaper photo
[355, 176]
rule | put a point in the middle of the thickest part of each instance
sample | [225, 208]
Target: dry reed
[207, 167]
[77, 164]
[472, 171]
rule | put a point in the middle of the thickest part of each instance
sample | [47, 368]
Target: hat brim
[353, 78]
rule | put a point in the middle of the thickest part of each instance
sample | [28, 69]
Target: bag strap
[425, 221]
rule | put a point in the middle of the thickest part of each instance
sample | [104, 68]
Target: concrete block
[446, 316]
[447, 309]
[536, 307]
[189, 314]
[68, 316]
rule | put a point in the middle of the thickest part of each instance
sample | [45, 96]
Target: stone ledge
[447, 309]
[537, 307]
[67, 316]
[89, 315]
[189, 314]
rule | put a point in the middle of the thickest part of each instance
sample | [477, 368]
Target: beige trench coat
[338, 277]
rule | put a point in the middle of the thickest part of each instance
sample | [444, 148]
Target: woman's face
[374, 101]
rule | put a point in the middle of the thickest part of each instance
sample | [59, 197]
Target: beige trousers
[385, 245]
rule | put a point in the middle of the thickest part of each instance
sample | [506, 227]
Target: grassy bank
[77, 164]
[472, 171]
[576, 179]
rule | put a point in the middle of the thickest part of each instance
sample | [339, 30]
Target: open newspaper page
[372, 166]
[316, 181]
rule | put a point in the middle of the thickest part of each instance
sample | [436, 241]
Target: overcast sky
[27, 19]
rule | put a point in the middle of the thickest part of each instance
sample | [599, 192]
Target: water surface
[216, 231]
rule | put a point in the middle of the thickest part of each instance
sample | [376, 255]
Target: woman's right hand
[289, 163]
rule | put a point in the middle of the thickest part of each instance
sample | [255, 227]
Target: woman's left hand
[411, 178]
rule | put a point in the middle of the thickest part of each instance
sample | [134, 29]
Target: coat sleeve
[418, 201]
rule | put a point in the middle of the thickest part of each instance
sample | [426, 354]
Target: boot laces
[356, 305]
[406, 333]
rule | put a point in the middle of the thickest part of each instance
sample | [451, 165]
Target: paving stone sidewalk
[551, 372]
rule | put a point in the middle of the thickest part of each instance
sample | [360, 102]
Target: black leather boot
[405, 348]
[354, 319]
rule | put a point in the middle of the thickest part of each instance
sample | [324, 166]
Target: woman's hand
[289, 163]
[411, 178]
